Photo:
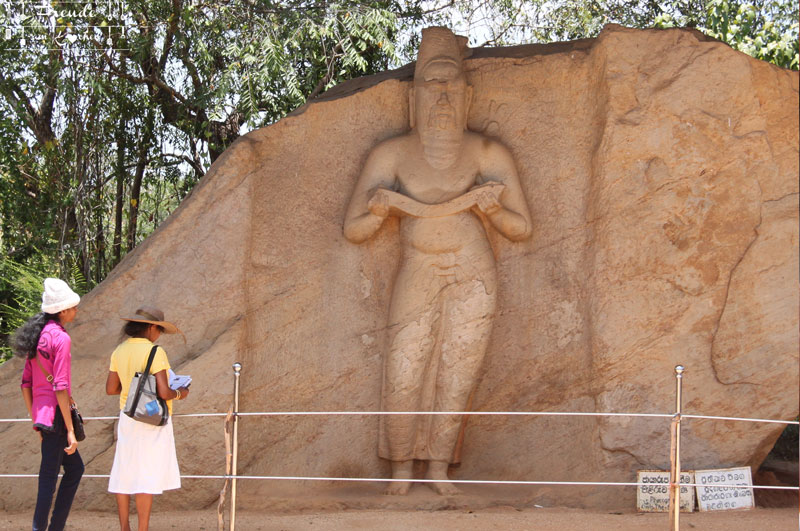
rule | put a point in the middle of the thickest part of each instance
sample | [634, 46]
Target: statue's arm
[508, 213]
[362, 221]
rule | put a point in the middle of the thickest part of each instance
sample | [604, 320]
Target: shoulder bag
[144, 404]
[77, 419]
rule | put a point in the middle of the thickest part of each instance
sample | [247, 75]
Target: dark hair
[26, 338]
[136, 328]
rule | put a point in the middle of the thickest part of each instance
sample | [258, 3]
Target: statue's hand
[379, 203]
[489, 202]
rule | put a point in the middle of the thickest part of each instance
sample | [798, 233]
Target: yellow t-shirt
[130, 357]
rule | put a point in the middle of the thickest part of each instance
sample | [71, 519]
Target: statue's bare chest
[419, 180]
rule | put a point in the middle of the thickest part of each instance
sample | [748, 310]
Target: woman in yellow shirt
[145, 462]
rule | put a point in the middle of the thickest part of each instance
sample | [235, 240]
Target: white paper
[176, 381]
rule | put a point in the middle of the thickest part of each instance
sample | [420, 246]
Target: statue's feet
[400, 470]
[444, 488]
[398, 488]
[437, 471]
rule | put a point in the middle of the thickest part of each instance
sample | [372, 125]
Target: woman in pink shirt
[47, 390]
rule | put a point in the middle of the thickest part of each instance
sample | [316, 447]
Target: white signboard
[711, 496]
[652, 495]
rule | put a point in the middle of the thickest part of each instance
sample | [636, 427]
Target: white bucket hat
[58, 296]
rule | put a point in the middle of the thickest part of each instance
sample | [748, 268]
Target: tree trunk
[117, 244]
[99, 238]
[83, 218]
[141, 164]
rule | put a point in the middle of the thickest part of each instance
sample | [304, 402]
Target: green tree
[169, 84]
[764, 29]
[212, 67]
[767, 30]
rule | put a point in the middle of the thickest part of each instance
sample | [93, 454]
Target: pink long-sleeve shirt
[54, 353]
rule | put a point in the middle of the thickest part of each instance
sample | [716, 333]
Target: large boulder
[661, 171]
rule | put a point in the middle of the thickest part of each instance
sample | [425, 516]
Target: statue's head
[439, 99]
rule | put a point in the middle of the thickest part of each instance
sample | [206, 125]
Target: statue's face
[440, 99]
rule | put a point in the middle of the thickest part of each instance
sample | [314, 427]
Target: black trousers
[53, 458]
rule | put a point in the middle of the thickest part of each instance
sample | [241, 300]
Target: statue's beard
[441, 136]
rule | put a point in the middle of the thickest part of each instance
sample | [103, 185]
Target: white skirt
[145, 461]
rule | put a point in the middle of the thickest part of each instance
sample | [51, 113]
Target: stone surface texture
[661, 170]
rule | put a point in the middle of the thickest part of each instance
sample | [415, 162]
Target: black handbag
[144, 404]
[77, 419]
[77, 423]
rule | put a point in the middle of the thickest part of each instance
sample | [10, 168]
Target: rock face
[661, 170]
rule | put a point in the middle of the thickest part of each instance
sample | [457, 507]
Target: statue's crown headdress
[440, 44]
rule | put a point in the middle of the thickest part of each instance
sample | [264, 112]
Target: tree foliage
[764, 29]
[767, 30]
[111, 111]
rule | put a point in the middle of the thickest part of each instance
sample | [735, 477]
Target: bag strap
[49, 378]
[142, 378]
[47, 375]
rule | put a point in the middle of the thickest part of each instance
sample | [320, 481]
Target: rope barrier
[794, 422]
[115, 417]
[674, 484]
[487, 413]
[507, 413]
[462, 481]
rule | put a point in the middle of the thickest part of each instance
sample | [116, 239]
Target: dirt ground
[356, 507]
[506, 519]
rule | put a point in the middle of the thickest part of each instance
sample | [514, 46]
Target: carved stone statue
[444, 183]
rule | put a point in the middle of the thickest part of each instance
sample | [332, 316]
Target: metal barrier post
[237, 369]
[675, 456]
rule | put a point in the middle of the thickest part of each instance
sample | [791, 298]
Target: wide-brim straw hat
[148, 314]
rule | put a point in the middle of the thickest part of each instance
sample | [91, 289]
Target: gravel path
[506, 519]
